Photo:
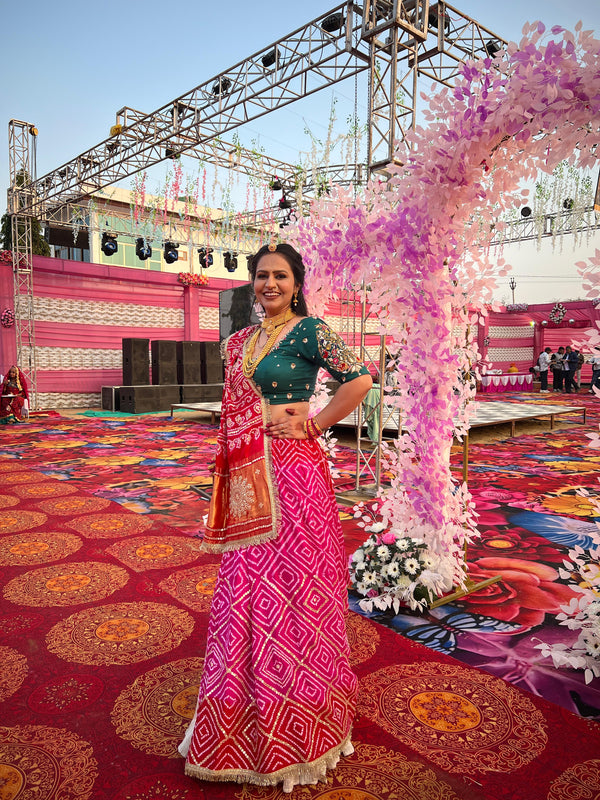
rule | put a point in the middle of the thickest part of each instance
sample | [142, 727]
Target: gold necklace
[273, 326]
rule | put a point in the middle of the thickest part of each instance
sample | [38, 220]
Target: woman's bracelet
[312, 429]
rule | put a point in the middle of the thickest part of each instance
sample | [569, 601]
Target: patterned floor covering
[104, 615]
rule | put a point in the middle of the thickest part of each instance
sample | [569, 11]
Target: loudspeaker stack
[211, 362]
[164, 362]
[136, 362]
[188, 363]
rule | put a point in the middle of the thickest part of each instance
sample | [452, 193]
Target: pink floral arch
[420, 242]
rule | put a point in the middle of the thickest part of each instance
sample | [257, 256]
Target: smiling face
[12, 374]
[274, 284]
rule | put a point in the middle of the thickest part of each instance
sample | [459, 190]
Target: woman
[277, 696]
[13, 395]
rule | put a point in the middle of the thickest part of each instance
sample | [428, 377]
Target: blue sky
[69, 66]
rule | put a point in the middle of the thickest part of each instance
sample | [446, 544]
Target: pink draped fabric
[512, 382]
[277, 695]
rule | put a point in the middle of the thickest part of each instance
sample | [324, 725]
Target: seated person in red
[13, 395]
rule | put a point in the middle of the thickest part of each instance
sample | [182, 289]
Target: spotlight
[525, 212]
[568, 204]
[142, 249]
[270, 58]
[284, 202]
[492, 47]
[230, 260]
[333, 23]
[221, 87]
[170, 153]
[275, 184]
[170, 253]
[205, 257]
[109, 244]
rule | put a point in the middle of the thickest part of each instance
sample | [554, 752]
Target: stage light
[230, 261]
[525, 212]
[170, 253]
[221, 87]
[333, 22]
[568, 204]
[109, 244]
[142, 249]
[205, 257]
[170, 153]
[270, 58]
[275, 184]
[284, 202]
[492, 47]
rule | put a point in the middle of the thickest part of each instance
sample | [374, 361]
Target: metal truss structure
[397, 42]
[559, 224]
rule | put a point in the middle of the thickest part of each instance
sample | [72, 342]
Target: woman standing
[277, 695]
[13, 395]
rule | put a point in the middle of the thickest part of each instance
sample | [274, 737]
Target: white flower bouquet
[391, 570]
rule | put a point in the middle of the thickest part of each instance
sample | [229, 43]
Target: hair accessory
[273, 244]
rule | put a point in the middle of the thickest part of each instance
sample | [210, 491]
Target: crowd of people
[565, 367]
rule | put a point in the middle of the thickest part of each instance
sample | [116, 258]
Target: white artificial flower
[369, 577]
[361, 588]
[411, 565]
[393, 569]
[402, 544]
[426, 560]
[358, 557]
[377, 527]
[383, 552]
[403, 582]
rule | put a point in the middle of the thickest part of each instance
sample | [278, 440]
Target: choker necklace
[272, 326]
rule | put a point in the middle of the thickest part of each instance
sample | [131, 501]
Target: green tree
[39, 245]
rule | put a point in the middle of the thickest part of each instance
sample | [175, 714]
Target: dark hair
[294, 259]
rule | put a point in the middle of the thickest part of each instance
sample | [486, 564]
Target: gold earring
[295, 300]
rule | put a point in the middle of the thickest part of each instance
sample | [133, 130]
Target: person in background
[580, 363]
[558, 375]
[13, 395]
[595, 362]
[544, 365]
[570, 362]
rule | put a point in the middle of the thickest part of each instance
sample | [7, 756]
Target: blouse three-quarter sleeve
[334, 355]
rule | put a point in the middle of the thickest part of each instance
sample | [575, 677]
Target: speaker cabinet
[188, 363]
[211, 362]
[202, 393]
[164, 362]
[145, 399]
[136, 362]
[111, 398]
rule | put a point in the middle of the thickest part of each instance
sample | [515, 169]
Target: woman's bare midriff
[279, 412]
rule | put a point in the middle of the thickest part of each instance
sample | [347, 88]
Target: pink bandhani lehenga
[277, 695]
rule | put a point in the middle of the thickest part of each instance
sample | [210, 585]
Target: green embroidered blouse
[289, 371]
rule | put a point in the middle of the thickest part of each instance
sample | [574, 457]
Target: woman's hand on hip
[290, 426]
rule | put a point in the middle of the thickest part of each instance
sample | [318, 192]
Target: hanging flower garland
[8, 317]
[192, 279]
[412, 241]
[557, 314]
[5, 256]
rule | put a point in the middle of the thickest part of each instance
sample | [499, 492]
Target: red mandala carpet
[104, 616]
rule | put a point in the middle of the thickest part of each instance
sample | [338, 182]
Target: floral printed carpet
[105, 601]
